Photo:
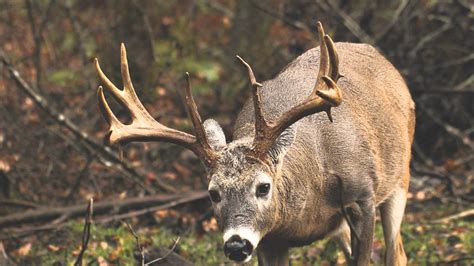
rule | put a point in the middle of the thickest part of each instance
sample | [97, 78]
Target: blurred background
[52, 159]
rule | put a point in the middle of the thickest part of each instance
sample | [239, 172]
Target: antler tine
[107, 113]
[261, 124]
[193, 113]
[125, 71]
[324, 63]
[333, 58]
[144, 127]
[116, 92]
[252, 78]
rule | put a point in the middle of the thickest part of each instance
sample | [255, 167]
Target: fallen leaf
[102, 261]
[420, 195]
[210, 225]
[104, 245]
[4, 166]
[115, 253]
[23, 250]
[169, 175]
[53, 248]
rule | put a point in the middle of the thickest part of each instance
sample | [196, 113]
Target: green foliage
[62, 77]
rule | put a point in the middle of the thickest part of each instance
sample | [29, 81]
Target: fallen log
[118, 206]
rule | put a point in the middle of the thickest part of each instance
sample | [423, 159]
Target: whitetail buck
[291, 175]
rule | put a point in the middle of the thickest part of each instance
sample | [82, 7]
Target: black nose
[237, 249]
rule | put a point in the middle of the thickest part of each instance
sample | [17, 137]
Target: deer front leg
[362, 216]
[272, 254]
[391, 212]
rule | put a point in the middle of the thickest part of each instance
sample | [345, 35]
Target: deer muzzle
[238, 249]
[239, 244]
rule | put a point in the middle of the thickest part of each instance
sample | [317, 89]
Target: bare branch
[447, 24]
[393, 21]
[332, 7]
[294, 24]
[463, 137]
[86, 232]
[139, 247]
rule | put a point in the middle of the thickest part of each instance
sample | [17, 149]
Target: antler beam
[144, 127]
[325, 94]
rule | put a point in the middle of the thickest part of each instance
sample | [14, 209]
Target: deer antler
[325, 94]
[144, 127]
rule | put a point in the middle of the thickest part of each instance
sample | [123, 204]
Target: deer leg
[392, 213]
[342, 237]
[272, 254]
[362, 216]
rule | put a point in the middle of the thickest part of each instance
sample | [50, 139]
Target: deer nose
[237, 249]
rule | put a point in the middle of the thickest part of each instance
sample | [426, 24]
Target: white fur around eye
[262, 178]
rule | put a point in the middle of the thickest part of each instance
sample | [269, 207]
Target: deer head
[242, 174]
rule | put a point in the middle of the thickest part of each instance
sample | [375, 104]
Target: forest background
[52, 159]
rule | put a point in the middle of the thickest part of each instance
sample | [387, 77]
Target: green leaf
[62, 77]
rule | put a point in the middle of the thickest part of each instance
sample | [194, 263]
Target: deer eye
[214, 195]
[263, 189]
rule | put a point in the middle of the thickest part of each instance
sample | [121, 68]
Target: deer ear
[282, 144]
[214, 134]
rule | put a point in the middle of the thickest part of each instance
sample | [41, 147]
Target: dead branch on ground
[104, 207]
[461, 215]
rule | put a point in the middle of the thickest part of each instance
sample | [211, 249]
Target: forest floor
[426, 241]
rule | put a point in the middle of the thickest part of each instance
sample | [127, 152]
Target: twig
[393, 21]
[139, 247]
[76, 28]
[37, 33]
[148, 28]
[62, 120]
[19, 203]
[454, 62]
[37, 41]
[80, 176]
[86, 232]
[167, 254]
[454, 261]
[456, 216]
[465, 138]
[464, 84]
[447, 24]
[79, 35]
[294, 24]
[3, 253]
[348, 21]
[455, 90]
[220, 8]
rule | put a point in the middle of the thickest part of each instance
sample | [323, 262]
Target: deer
[314, 153]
